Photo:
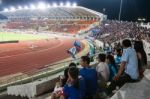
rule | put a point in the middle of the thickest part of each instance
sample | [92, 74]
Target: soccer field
[4, 36]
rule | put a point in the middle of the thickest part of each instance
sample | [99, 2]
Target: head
[110, 59]
[72, 64]
[118, 51]
[138, 46]
[126, 43]
[102, 57]
[73, 73]
[67, 69]
[85, 61]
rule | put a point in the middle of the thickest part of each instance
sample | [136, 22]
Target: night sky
[132, 9]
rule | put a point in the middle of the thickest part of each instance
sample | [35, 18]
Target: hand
[59, 93]
[116, 77]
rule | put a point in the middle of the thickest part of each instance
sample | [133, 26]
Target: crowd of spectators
[125, 63]
[113, 30]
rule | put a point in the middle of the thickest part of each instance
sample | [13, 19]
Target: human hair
[72, 64]
[118, 50]
[138, 46]
[86, 59]
[102, 57]
[67, 69]
[74, 73]
[111, 60]
[126, 43]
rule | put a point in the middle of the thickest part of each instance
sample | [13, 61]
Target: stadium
[38, 41]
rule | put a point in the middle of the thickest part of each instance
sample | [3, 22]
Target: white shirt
[130, 57]
[103, 69]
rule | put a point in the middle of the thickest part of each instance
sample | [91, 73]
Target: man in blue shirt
[90, 77]
[128, 70]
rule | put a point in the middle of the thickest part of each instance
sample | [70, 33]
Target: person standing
[142, 58]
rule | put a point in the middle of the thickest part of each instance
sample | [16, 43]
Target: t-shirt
[90, 77]
[130, 57]
[73, 93]
[113, 71]
[103, 69]
[117, 60]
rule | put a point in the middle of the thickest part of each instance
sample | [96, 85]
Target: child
[112, 66]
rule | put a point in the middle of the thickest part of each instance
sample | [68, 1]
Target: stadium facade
[62, 19]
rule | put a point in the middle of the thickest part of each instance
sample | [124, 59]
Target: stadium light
[32, 7]
[68, 4]
[26, 7]
[144, 19]
[48, 6]
[12, 9]
[74, 4]
[55, 5]
[20, 8]
[141, 19]
[41, 5]
[61, 4]
[6, 10]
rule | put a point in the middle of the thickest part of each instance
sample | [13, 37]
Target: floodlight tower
[120, 11]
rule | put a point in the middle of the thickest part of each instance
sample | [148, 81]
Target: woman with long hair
[141, 55]
[75, 86]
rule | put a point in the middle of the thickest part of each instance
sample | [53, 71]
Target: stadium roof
[50, 12]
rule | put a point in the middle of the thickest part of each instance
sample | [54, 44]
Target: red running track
[32, 55]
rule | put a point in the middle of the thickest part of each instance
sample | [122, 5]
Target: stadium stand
[112, 30]
[71, 20]
[60, 19]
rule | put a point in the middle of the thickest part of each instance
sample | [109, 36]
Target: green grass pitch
[4, 36]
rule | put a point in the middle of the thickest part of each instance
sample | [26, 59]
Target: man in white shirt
[128, 70]
[102, 72]
[102, 68]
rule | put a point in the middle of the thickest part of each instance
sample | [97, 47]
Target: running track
[29, 56]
